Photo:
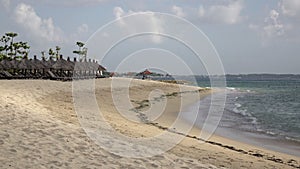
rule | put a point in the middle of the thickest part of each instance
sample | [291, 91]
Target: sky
[176, 36]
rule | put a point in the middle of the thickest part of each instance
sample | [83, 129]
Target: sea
[260, 109]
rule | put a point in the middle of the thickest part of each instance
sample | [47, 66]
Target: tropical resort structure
[53, 69]
[14, 62]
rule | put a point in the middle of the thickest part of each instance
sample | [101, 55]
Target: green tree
[51, 53]
[82, 51]
[11, 35]
[43, 54]
[21, 49]
[2, 55]
[5, 39]
[57, 48]
[16, 49]
[80, 45]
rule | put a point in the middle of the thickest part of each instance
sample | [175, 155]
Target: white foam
[271, 133]
[237, 105]
[254, 120]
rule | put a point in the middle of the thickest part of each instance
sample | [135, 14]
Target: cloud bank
[228, 14]
[26, 17]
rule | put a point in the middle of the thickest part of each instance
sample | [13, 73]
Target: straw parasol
[82, 67]
[62, 64]
[48, 64]
[71, 64]
[25, 64]
[1, 66]
[100, 67]
[37, 64]
[6, 64]
[14, 64]
[91, 67]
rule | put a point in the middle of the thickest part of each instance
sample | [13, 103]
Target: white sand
[40, 129]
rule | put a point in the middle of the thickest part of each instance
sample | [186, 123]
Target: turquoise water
[274, 105]
[262, 104]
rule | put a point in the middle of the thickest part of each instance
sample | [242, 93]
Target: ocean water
[259, 108]
[271, 106]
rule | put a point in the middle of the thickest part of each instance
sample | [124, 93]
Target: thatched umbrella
[90, 67]
[48, 64]
[14, 64]
[25, 65]
[7, 65]
[77, 67]
[82, 67]
[70, 63]
[94, 67]
[38, 66]
[100, 69]
[1, 66]
[71, 66]
[62, 65]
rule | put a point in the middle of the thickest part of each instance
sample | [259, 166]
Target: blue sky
[251, 36]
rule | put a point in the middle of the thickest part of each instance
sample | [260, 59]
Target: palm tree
[80, 45]
[21, 48]
[5, 39]
[84, 52]
[2, 56]
[11, 35]
[57, 48]
[51, 53]
[43, 54]
[81, 51]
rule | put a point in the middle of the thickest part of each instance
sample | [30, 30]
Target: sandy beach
[40, 128]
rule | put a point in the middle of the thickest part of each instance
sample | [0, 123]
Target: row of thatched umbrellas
[52, 69]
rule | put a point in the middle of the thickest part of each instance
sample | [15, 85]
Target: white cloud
[26, 16]
[80, 34]
[148, 22]
[178, 11]
[290, 7]
[72, 3]
[84, 28]
[6, 4]
[273, 27]
[228, 14]
[201, 11]
[253, 26]
[119, 12]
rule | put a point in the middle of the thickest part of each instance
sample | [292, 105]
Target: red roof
[146, 72]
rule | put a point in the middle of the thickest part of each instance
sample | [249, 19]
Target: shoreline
[39, 119]
[223, 137]
[254, 138]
